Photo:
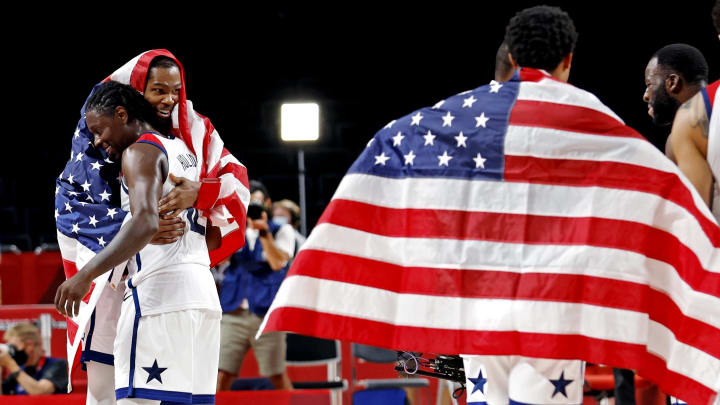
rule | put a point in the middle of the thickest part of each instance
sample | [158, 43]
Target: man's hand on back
[182, 197]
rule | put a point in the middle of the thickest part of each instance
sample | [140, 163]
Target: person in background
[30, 371]
[287, 212]
[248, 288]
[674, 74]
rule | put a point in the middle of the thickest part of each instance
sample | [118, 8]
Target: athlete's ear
[672, 84]
[512, 62]
[121, 114]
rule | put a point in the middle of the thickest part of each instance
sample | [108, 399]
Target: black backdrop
[365, 64]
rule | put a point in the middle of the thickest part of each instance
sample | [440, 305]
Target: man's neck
[690, 90]
[165, 128]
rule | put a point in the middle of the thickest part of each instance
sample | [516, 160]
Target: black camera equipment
[255, 210]
[445, 367]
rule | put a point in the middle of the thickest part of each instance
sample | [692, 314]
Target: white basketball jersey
[174, 276]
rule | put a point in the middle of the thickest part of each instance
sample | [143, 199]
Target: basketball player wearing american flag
[167, 344]
[88, 214]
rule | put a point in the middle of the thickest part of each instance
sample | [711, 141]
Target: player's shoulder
[691, 123]
[147, 146]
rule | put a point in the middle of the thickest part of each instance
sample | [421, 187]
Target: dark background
[363, 63]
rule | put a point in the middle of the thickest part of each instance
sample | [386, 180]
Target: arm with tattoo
[689, 138]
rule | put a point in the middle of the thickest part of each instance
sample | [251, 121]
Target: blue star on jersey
[478, 383]
[154, 372]
[560, 385]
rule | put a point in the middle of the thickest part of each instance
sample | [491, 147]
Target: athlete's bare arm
[689, 138]
[145, 168]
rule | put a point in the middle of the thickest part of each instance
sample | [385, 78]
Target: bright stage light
[299, 122]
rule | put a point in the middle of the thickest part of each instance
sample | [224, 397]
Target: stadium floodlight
[299, 122]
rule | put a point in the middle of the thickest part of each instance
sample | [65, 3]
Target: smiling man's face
[163, 90]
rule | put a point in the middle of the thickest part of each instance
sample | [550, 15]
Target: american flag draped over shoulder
[87, 197]
[518, 218]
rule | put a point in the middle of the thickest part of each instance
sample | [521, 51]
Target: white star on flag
[89, 198]
[77, 133]
[444, 159]
[85, 186]
[70, 179]
[429, 138]
[447, 119]
[60, 176]
[461, 140]
[438, 104]
[101, 241]
[68, 207]
[479, 161]
[481, 120]
[416, 119]
[96, 165]
[468, 102]
[105, 196]
[107, 159]
[410, 158]
[390, 124]
[83, 203]
[397, 139]
[381, 159]
[56, 214]
[79, 157]
[57, 190]
[72, 155]
[111, 213]
[368, 144]
[72, 193]
[93, 221]
[495, 86]
[76, 228]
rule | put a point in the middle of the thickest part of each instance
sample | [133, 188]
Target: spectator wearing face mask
[287, 212]
[30, 371]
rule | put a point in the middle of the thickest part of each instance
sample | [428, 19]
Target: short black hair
[164, 62]
[256, 185]
[540, 37]
[685, 60]
[716, 15]
[111, 94]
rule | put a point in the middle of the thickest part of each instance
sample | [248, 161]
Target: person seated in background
[30, 372]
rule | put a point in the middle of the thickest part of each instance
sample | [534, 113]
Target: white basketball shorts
[99, 338]
[517, 380]
[171, 356]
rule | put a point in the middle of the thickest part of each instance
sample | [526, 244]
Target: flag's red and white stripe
[74, 256]
[594, 247]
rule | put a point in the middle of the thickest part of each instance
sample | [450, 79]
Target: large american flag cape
[87, 196]
[519, 218]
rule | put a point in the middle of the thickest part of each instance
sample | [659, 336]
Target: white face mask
[281, 220]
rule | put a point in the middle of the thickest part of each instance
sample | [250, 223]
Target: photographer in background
[30, 372]
[286, 211]
[249, 286]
